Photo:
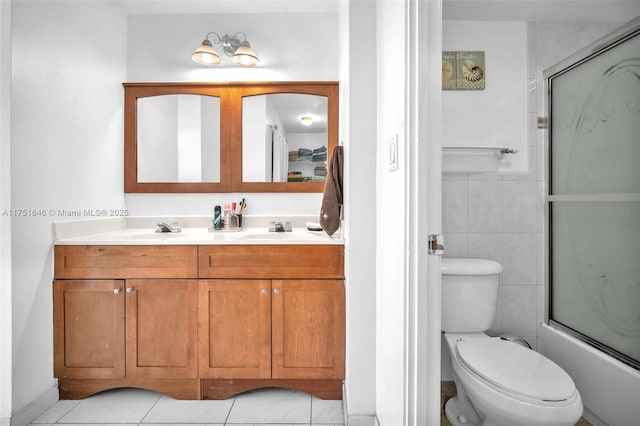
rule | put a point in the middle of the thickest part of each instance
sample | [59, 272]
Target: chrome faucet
[281, 227]
[277, 227]
[165, 227]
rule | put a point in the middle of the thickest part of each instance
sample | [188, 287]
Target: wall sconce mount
[238, 49]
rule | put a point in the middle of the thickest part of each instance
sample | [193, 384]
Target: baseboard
[27, 414]
[363, 421]
[355, 420]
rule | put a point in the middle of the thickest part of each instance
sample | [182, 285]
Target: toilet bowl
[498, 382]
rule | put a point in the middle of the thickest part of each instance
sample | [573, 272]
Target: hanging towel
[332, 197]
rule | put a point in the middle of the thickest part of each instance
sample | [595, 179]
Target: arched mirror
[288, 132]
[229, 137]
[284, 138]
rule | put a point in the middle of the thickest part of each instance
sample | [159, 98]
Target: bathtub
[610, 389]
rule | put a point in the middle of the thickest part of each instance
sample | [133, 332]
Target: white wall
[495, 116]
[391, 202]
[501, 216]
[66, 129]
[71, 155]
[5, 220]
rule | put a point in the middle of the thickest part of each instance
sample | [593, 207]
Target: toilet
[498, 382]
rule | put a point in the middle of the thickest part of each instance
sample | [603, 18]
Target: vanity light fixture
[306, 120]
[239, 50]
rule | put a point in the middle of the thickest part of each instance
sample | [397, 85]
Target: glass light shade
[205, 55]
[306, 120]
[245, 56]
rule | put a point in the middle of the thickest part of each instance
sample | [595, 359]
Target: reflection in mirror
[178, 138]
[284, 138]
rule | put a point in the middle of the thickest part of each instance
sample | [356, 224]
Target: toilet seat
[516, 370]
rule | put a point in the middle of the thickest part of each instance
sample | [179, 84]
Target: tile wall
[500, 216]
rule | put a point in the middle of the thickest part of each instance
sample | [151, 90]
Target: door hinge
[436, 244]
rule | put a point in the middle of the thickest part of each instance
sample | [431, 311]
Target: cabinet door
[88, 329]
[308, 329]
[234, 329]
[162, 328]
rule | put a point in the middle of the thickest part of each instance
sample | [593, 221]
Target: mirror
[284, 138]
[178, 138]
[211, 137]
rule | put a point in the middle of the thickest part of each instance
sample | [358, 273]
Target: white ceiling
[138, 7]
[514, 10]
[542, 10]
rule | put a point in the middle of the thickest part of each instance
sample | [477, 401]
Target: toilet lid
[516, 369]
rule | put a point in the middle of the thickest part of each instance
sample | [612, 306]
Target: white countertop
[141, 231]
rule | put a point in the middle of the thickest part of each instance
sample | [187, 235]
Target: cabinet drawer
[126, 262]
[271, 261]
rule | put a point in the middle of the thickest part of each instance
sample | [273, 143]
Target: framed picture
[463, 70]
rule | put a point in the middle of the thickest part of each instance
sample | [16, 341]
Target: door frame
[423, 308]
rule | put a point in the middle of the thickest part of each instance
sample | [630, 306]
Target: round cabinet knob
[265, 291]
[129, 290]
[276, 290]
[116, 291]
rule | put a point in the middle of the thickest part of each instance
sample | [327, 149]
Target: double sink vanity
[197, 314]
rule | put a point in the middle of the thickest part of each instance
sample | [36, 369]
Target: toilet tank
[469, 294]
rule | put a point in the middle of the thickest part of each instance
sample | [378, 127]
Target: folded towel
[332, 196]
[320, 150]
[319, 157]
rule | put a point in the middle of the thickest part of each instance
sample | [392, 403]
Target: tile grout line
[226, 420]
[148, 411]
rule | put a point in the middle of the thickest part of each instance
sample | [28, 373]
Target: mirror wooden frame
[231, 95]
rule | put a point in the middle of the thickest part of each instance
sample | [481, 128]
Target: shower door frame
[615, 38]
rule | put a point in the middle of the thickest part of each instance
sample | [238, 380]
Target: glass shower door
[594, 195]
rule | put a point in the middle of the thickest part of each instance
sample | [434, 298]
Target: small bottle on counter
[227, 216]
[217, 217]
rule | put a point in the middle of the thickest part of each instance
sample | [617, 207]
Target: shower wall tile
[532, 53]
[519, 259]
[540, 205]
[485, 206]
[486, 245]
[540, 306]
[532, 171]
[540, 92]
[454, 206]
[519, 310]
[520, 207]
[453, 176]
[532, 94]
[541, 259]
[455, 244]
[541, 155]
[496, 327]
[532, 124]
[482, 176]
[585, 33]
[554, 42]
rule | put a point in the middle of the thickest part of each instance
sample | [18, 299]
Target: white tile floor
[274, 407]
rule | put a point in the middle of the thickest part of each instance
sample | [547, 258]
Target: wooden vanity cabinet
[89, 329]
[135, 331]
[274, 317]
[199, 321]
